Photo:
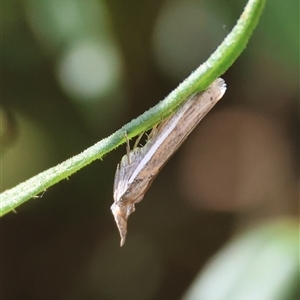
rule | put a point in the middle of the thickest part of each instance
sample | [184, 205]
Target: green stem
[200, 79]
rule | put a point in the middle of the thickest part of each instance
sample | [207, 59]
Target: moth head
[121, 214]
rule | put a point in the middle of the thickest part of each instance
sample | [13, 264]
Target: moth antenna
[163, 122]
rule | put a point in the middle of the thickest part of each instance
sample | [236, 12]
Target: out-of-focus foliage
[262, 264]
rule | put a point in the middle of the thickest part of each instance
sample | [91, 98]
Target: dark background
[75, 71]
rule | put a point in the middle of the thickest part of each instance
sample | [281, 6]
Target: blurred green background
[73, 72]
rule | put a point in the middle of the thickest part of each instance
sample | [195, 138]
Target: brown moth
[139, 167]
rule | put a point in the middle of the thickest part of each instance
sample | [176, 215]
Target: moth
[139, 167]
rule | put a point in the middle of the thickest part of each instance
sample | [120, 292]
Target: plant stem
[200, 79]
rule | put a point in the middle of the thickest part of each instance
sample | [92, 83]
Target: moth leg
[138, 140]
[152, 132]
[127, 147]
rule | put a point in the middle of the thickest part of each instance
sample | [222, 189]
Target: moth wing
[124, 171]
[121, 178]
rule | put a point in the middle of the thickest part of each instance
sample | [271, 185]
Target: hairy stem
[200, 79]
